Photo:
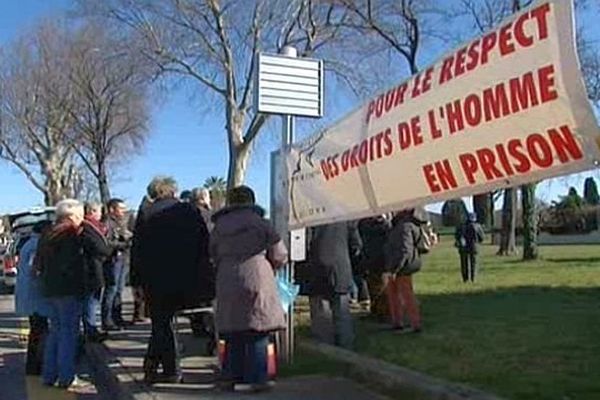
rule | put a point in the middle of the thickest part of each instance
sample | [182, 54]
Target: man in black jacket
[467, 237]
[96, 251]
[172, 241]
[117, 268]
[330, 281]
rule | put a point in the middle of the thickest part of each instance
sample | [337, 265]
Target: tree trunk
[103, 184]
[54, 190]
[238, 164]
[481, 206]
[509, 222]
[530, 249]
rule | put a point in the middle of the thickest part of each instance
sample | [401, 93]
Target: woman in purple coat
[246, 251]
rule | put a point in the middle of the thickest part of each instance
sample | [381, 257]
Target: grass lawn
[522, 331]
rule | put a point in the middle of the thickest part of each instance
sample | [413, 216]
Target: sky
[187, 137]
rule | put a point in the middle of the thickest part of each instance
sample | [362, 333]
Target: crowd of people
[74, 270]
[177, 253]
[375, 258]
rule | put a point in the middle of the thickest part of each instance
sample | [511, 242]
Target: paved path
[14, 385]
[125, 356]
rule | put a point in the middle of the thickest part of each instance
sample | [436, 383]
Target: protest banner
[507, 108]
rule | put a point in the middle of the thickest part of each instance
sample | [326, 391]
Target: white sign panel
[298, 244]
[288, 85]
[506, 109]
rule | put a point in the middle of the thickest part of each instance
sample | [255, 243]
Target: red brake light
[10, 263]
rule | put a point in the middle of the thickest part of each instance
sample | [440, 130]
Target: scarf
[99, 225]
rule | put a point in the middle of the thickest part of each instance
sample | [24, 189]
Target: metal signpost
[288, 86]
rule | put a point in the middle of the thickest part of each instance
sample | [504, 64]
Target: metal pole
[287, 138]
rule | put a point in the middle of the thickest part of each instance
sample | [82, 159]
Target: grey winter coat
[401, 254]
[329, 257]
[246, 250]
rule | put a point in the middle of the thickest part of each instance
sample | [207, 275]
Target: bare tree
[590, 67]
[508, 244]
[214, 44]
[34, 124]
[110, 107]
[401, 26]
[396, 23]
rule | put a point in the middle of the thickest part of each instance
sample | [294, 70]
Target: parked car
[21, 225]
[3, 250]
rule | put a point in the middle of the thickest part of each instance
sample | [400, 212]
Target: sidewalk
[14, 384]
[122, 357]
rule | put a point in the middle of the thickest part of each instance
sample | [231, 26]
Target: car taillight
[10, 263]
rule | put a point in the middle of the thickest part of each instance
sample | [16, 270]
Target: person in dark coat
[330, 281]
[467, 237]
[373, 233]
[141, 309]
[403, 250]
[61, 265]
[202, 324]
[173, 250]
[96, 252]
[116, 270]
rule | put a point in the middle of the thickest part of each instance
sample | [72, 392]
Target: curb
[107, 369]
[393, 379]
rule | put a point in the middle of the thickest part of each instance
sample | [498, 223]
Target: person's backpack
[470, 234]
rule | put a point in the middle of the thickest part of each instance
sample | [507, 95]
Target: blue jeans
[61, 344]
[246, 357]
[111, 301]
[91, 306]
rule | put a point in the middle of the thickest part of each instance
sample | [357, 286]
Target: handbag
[287, 292]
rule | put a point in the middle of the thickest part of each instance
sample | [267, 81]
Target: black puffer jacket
[172, 241]
[373, 232]
[61, 262]
[135, 262]
[96, 251]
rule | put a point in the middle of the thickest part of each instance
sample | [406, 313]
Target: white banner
[505, 109]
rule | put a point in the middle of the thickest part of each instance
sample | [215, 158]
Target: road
[14, 385]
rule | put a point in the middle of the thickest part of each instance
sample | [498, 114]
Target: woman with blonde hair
[61, 264]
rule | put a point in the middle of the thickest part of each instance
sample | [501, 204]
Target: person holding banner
[405, 244]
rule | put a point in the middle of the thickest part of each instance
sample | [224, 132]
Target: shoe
[96, 337]
[150, 371]
[79, 386]
[151, 377]
[111, 328]
[176, 378]
[123, 323]
[411, 330]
